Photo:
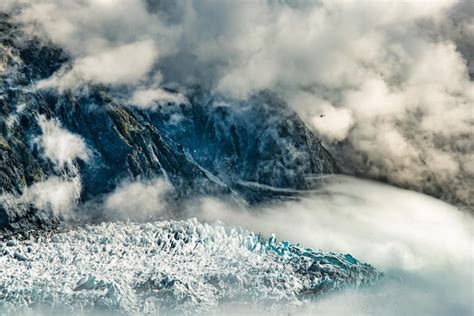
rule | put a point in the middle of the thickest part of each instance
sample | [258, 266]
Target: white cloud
[56, 195]
[59, 145]
[59, 195]
[334, 123]
[383, 225]
[423, 245]
[150, 98]
[379, 71]
[125, 64]
[137, 200]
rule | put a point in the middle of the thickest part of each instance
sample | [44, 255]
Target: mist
[137, 200]
[57, 194]
[423, 245]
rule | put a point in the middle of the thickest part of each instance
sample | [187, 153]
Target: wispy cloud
[138, 200]
[422, 244]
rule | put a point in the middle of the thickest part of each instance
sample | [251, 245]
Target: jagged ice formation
[167, 266]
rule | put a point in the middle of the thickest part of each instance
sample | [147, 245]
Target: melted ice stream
[180, 266]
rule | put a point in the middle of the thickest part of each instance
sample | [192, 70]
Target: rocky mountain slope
[255, 150]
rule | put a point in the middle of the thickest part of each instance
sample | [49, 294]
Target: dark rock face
[257, 149]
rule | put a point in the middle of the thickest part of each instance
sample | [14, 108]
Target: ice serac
[256, 150]
[181, 267]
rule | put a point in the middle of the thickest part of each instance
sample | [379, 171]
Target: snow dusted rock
[168, 266]
[18, 256]
[212, 149]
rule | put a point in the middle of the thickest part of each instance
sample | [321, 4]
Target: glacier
[170, 266]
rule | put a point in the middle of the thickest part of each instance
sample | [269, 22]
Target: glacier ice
[167, 266]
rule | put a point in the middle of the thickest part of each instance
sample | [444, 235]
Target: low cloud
[380, 224]
[125, 64]
[138, 200]
[59, 145]
[151, 98]
[55, 194]
[423, 245]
